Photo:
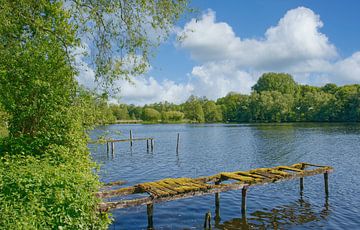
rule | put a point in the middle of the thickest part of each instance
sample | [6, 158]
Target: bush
[55, 191]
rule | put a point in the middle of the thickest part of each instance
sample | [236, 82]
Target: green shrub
[55, 191]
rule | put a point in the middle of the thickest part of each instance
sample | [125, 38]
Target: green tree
[316, 106]
[347, 102]
[212, 112]
[271, 106]
[39, 92]
[120, 112]
[150, 114]
[235, 107]
[193, 110]
[281, 82]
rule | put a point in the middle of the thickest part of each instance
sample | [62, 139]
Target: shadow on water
[283, 217]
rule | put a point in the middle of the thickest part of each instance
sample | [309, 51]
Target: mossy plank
[289, 168]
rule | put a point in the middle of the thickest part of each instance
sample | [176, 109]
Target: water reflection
[283, 217]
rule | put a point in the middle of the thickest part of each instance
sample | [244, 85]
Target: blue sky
[231, 43]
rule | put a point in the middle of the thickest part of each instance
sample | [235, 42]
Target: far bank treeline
[276, 97]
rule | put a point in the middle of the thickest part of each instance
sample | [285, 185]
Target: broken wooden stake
[207, 221]
[301, 186]
[217, 217]
[150, 212]
[131, 137]
[112, 148]
[152, 145]
[243, 199]
[147, 145]
[326, 177]
[177, 143]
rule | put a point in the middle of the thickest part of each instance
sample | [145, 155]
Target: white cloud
[227, 62]
[347, 71]
[147, 90]
[295, 45]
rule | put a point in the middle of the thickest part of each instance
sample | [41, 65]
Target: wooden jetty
[180, 188]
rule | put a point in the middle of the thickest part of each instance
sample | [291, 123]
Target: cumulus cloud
[227, 62]
[295, 45]
[145, 90]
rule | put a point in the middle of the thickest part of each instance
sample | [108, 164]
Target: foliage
[212, 112]
[193, 110]
[53, 192]
[167, 116]
[3, 123]
[122, 34]
[150, 114]
[281, 82]
[46, 175]
[271, 106]
[120, 112]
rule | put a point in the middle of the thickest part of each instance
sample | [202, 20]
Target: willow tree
[46, 177]
[38, 40]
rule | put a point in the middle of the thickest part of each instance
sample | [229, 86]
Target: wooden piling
[131, 137]
[112, 148]
[302, 182]
[147, 145]
[107, 147]
[243, 200]
[152, 144]
[217, 217]
[326, 177]
[207, 221]
[177, 143]
[150, 211]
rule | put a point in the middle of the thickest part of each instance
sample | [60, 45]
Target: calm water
[209, 149]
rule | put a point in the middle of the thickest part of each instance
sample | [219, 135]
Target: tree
[120, 112]
[122, 33]
[193, 109]
[281, 82]
[316, 106]
[271, 106]
[150, 114]
[235, 107]
[39, 92]
[212, 112]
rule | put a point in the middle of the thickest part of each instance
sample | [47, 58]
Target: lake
[207, 149]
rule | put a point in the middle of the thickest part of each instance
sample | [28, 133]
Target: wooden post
[150, 211]
[107, 147]
[207, 221]
[112, 148]
[131, 137]
[301, 186]
[152, 144]
[243, 200]
[326, 177]
[147, 145]
[217, 217]
[177, 143]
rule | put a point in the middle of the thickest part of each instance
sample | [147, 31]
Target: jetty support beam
[243, 200]
[326, 177]
[150, 212]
